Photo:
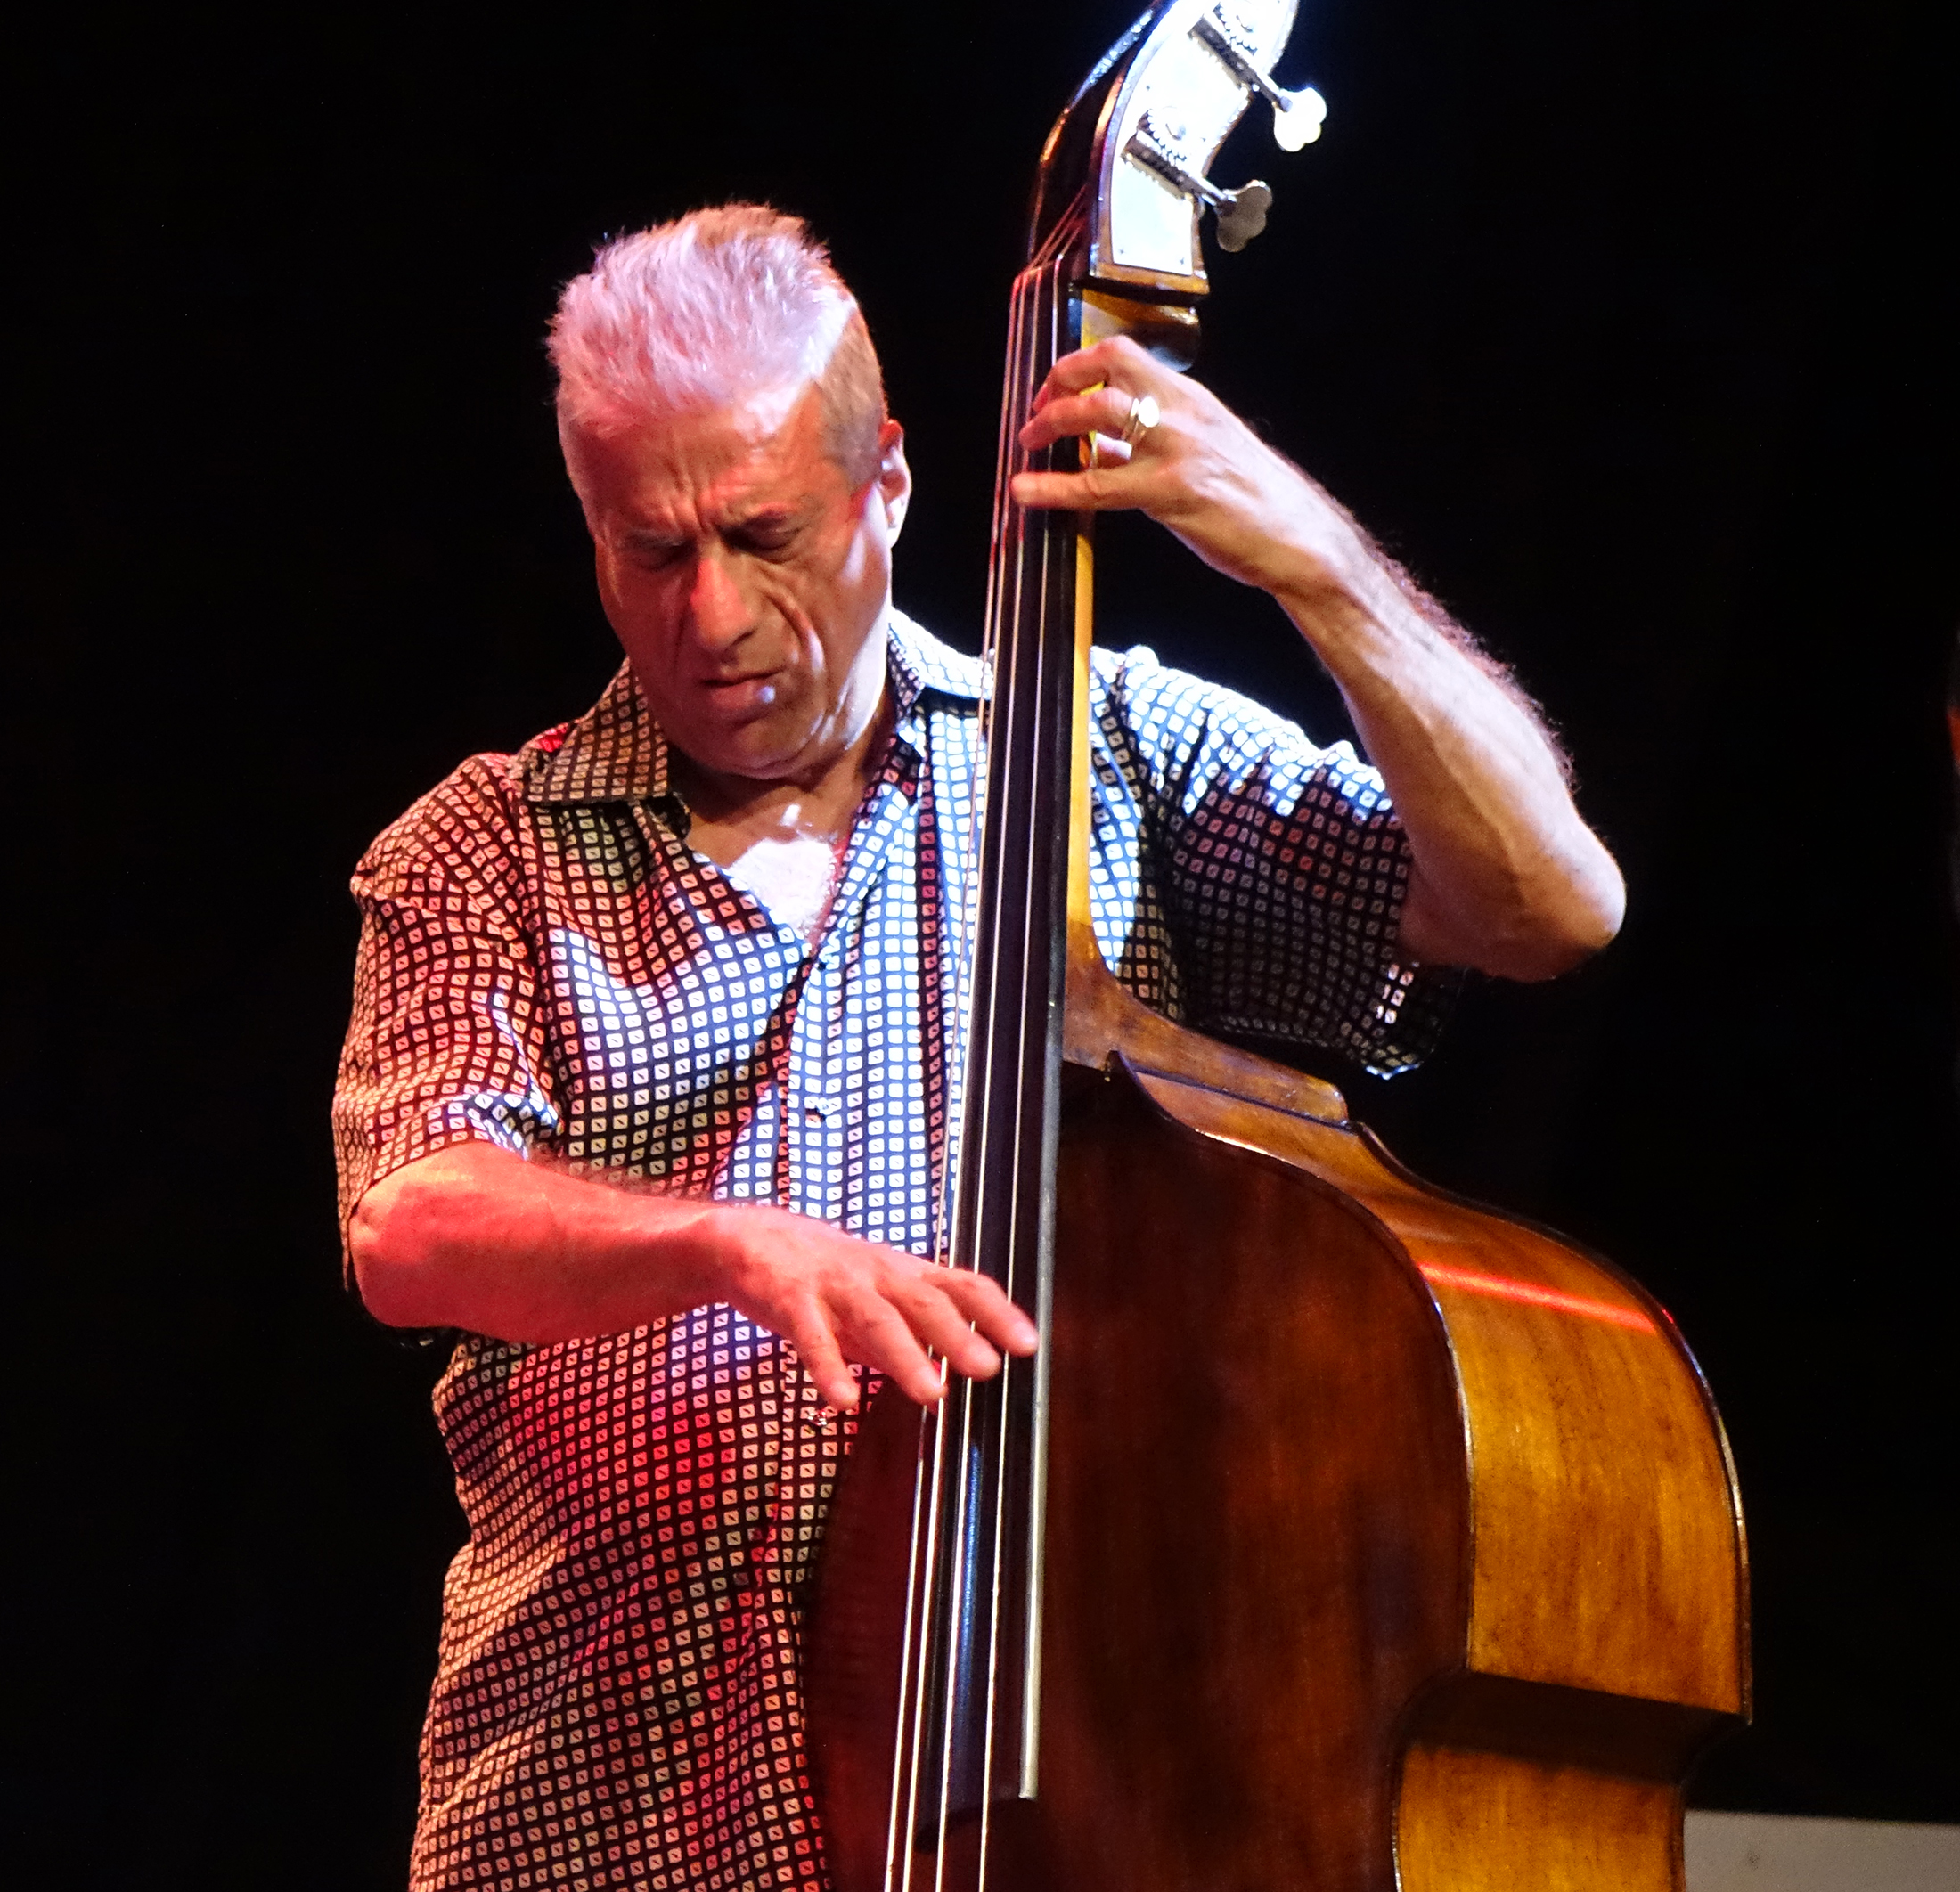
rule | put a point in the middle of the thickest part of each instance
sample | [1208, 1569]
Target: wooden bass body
[1345, 1535]
[1392, 1542]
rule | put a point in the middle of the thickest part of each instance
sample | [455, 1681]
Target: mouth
[741, 697]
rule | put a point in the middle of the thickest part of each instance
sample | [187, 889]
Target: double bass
[1343, 1535]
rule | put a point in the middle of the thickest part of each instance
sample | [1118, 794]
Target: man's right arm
[474, 1236]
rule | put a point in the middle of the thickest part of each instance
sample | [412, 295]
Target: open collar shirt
[547, 967]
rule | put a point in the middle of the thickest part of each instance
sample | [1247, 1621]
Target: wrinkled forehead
[764, 448]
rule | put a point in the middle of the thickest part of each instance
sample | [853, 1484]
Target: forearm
[1506, 877]
[476, 1237]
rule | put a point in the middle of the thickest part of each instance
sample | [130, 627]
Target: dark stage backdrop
[1622, 323]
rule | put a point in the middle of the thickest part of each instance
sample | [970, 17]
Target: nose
[718, 610]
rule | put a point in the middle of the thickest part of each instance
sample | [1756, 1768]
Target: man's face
[745, 578]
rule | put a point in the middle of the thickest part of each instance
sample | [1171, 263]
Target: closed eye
[764, 534]
[654, 554]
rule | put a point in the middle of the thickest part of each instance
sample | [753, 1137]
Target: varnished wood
[1476, 1821]
[1607, 1535]
[1345, 1565]
[1231, 1496]
[1229, 1491]
[1390, 1541]
[1104, 1023]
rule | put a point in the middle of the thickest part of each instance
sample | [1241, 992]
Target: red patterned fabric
[547, 967]
[592, 1727]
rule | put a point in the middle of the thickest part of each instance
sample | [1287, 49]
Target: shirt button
[811, 1115]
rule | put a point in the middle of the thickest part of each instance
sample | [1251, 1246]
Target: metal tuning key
[1174, 101]
[1241, 213]
[1297, 117]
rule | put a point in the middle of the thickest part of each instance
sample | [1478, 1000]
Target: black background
[1624, 324]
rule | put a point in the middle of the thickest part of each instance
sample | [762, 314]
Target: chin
[763, 750]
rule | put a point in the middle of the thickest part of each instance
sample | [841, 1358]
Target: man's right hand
[476, 1237]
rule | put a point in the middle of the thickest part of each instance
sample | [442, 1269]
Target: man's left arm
[1506, 876]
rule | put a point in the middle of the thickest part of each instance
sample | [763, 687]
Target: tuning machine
[1241, 213]
[1297, 117]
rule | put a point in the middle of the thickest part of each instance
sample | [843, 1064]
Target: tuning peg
[1241, 213]
[1297, 117]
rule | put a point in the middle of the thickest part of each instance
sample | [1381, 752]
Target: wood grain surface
[1390, 1541]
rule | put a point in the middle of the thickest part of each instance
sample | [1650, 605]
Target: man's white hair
[707, 311]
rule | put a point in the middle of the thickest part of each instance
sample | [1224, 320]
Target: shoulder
[484, 808]
[1150, 696]
[468, 827]
[920, 662]
[1183, 727]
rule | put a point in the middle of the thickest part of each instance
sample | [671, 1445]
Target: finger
[1103, 410]
[941, 1325]
[816, 1346]
[881, 1337]
[984, 1303]
[1106, 360]
[1100, 489]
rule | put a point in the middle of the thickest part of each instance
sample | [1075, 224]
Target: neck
[831, 772]
[784, 839]
[818, 795]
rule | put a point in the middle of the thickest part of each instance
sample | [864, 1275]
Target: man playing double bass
[658, 1021]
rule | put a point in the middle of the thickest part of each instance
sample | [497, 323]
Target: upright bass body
[1347, 1535]
[1390, 1542]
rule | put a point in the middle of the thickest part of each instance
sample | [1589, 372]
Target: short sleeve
[1282, 866]
[447, 1039]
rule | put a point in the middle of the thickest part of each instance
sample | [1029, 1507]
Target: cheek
[866, 563]
[633, 597]
[857, 562]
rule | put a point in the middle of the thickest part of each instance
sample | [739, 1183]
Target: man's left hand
[1200, 471]
[1503, 874]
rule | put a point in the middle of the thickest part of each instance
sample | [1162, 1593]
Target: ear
[895, 478]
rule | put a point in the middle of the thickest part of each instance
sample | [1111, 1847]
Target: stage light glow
[1501, 1287]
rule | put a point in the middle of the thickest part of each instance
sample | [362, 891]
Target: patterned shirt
[547, 967]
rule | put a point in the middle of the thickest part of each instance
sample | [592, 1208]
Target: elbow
[1525, 925]
[395, 1244]
[1550, 954]
[1551, 938]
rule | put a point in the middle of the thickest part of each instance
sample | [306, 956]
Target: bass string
[1030, 366]
[997, 1139]
[1025, 713]
[1007, 651]
[1014, 713]
[1041, 793]
[1029, 713]
[922, 1591]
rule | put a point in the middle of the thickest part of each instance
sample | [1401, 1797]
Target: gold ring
[1144, 414]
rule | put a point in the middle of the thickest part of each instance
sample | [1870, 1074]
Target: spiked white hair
[705, 311]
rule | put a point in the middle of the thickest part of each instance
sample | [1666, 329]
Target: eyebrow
[768, 517]
[765, 517]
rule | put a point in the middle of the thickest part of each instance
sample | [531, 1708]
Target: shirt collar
[919, 662]
[616, 753]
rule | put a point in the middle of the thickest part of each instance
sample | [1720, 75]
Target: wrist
[692, 1244]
